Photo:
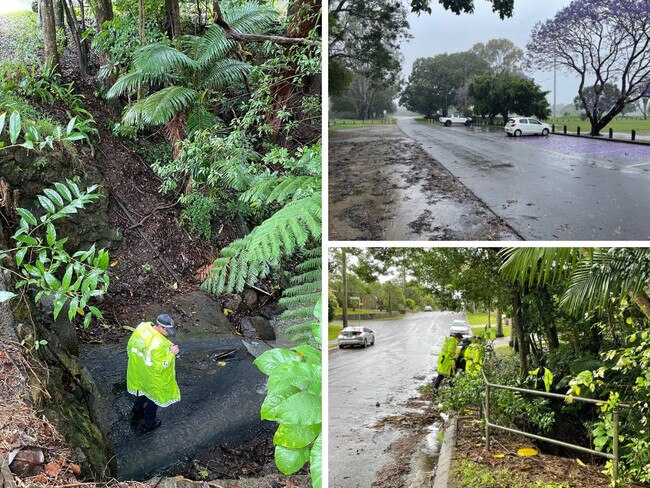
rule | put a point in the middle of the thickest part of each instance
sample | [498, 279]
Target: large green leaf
[316, 463]
[296, 436]
[269, 408]
[290, 460]
[159, 58]
[272, 358]
[302, 408]
[14, 127]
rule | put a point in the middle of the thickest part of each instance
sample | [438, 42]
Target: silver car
[356, 336]
[460, 327]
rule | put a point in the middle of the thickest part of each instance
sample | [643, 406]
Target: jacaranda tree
[605, 42]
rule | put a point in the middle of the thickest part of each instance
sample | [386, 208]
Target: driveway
[547, 188]
[387, 373]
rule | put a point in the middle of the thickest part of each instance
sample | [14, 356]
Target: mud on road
[383, 186]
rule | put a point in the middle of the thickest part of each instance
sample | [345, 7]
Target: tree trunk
[59, 15]
[643, 303]
[49, 33]
[518, 329]
[499, 323]
[173, 18]
[344, 271]
[141, 23]
[82, 55]
[552, 338]
[103, 11]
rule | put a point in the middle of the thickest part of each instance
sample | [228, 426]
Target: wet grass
[339, 124]
[619, 124]
[333, 331]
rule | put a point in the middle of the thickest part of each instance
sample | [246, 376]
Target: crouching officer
[542, 375]
[474, 355]
[151, 371]
[447, 359]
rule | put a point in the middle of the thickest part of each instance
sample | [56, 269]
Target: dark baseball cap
[166, 322]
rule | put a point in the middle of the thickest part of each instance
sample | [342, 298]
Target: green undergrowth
[468, 474]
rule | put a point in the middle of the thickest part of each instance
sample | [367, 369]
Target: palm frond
[135, 80]
[251, 17]
[159, 58]
[225, 72]
[534, 265]
[160, 107]
[200, 118]
[213, 45]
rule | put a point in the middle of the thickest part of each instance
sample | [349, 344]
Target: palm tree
[182, 81]
[595, 275]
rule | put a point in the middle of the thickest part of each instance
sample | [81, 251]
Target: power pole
[345, 288]
[554, 86]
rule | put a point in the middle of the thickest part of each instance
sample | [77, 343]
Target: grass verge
[339, 124]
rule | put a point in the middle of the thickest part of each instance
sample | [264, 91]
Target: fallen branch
[151, 213]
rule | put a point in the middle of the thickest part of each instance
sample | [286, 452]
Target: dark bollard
[553, 128]
[565, 129]
[633, 134]
[578, 131]
[611, 133]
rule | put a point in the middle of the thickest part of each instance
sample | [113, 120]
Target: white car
[455, 119]
[523, 126]
[428, 308]
[460, 327]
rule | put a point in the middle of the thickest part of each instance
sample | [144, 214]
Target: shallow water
[219, 403]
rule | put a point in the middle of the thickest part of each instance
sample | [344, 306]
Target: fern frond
[160, 58]
[252, 258]
[225, 72]
[278, 190]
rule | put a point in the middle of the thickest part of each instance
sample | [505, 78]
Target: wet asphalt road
[384, 373]
[220, 403]
[547, 188]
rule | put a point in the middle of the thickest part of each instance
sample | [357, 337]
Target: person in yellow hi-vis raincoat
[474, 355]
[447, 359]
[151, 371]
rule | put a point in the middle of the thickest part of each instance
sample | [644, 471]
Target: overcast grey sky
[444, 31]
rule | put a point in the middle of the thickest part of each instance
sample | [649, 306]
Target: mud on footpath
[383, 186]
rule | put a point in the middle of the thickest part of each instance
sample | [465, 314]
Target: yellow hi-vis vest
[547, 377]
[474, 359]
[151, 370]
[447, 356]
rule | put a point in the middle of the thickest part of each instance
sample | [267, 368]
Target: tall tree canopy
[605, 42]
[505, 93]
[501, 54]
[433, 83]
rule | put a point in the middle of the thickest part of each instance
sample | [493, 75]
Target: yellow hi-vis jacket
[151, 370]
[447, 356]
[474, 355]
[547, 377]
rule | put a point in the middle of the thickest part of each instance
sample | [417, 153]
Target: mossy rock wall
[30, 172]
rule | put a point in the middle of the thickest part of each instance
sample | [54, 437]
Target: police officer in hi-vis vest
[151, 371]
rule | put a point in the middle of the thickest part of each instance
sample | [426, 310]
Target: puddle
[425, 460]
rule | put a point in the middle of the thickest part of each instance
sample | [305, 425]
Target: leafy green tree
[505, 93]
[501, 54]
[433, 82]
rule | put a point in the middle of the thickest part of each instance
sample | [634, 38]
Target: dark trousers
[439, 379]
[144, 407]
